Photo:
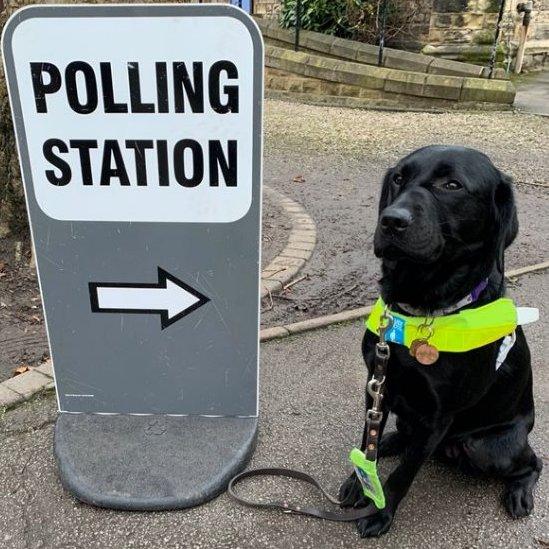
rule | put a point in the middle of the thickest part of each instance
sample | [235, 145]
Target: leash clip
[385, 323]
[374, 390]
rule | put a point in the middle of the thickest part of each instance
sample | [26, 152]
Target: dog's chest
[453, 382]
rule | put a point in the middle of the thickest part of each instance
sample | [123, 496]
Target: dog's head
[444, 205]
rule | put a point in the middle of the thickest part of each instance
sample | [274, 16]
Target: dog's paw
[375, 525]
[392, 444]
[351, 494]
[518, 500]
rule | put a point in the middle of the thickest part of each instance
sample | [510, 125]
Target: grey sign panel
[139, 134]
[139, 130]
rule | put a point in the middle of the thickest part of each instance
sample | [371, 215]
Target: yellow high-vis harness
[458, 332]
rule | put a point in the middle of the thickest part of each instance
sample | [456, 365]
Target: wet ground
[533, 93]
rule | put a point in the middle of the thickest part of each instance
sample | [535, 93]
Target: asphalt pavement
[311, 411]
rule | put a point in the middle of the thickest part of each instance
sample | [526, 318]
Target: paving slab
[311, 406]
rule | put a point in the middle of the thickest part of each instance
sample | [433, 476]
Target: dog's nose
[395, 220]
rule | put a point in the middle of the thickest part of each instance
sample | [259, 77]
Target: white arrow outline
[114, 295]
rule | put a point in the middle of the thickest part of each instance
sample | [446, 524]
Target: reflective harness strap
[459, 332]
[506, 345]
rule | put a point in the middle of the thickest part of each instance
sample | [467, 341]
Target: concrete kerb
[299, 248]
[277, 332]
[22, 387]
[17, 389]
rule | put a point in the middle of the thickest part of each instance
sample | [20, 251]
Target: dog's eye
[452, 185]
[397, 179]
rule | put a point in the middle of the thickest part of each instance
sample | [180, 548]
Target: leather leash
[374, 416]
[335, 516]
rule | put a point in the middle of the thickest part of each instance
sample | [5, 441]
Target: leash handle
[349, 515]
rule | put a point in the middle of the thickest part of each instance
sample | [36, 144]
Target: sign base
[150, 463]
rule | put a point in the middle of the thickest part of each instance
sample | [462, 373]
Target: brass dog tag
[425, 353]
[415, 344]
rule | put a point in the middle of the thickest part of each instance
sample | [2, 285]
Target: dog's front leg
[423, 443]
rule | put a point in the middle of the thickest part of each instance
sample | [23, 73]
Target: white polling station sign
[128, 129]
[139, 134]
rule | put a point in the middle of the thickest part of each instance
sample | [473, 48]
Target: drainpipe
[297, 24]
[493, 53]
[382, 24]
[526, 9]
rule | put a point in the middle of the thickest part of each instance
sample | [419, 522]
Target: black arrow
[171, 298]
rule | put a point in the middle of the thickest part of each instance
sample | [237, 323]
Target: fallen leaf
[299, 179]
[20, 370]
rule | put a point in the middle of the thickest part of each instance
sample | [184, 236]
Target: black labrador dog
[446, 215]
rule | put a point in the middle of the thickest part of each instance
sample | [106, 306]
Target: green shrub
[327, 16]
[357, 19]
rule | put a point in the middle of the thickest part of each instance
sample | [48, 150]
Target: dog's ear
[385, 190]
[506, 220]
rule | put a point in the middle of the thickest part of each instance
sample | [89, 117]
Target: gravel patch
[518, 143]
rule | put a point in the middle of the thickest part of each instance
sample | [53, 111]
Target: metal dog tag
[415, 344]
[426, 354]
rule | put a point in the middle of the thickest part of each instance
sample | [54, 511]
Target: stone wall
[267, 8]
[350, 50]
[309, 74]
[464, 29]
[537, 45]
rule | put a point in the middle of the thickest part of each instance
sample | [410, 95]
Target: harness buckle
[382, 350]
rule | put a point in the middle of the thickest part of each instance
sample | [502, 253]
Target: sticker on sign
[134, 132]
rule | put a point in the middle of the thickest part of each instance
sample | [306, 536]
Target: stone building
[464, 29]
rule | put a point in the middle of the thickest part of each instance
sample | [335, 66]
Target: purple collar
[467, 300]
